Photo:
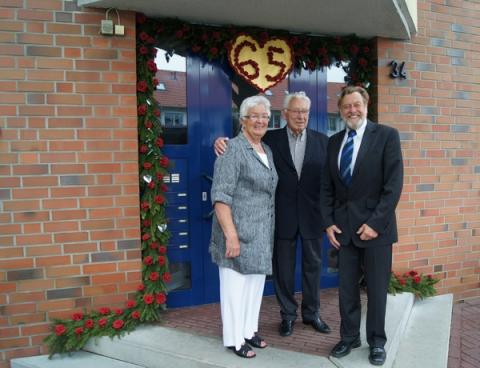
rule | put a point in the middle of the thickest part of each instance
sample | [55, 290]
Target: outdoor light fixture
[108, 28]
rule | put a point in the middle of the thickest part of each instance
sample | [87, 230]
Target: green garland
[210, 43]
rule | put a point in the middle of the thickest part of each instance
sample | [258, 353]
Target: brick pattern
[69, 234]
[436, 111]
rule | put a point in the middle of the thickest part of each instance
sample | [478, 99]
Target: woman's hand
[233, 247]
[220, 145]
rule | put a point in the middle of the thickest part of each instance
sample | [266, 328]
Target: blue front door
[198, 105]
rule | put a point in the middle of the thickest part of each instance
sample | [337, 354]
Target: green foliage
[413, 282]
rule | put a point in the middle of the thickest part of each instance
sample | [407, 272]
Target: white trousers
[240, 301]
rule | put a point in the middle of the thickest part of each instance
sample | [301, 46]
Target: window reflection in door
[335, 83]
[171, 94]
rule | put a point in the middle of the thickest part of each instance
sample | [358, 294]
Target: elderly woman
[243, 193]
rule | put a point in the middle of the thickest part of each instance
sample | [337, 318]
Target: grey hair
[253, 101]
[300, 95]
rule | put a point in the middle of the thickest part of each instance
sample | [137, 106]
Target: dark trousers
[284, 259]
[376, 265]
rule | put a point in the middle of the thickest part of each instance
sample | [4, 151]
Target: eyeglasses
[256, 117]
[299, 112]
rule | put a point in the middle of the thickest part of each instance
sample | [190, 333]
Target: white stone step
[426, 339]
[398, 312]
[80, 359]
[160, 347]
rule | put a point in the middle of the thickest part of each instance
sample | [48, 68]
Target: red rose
[77, 316]
[161, 260]
[179, 33]
[147, 222]
[156, 112]
[118, 312]
[145, 237]
[148, 124]
[143, 50]
[164, 188]
[144, 36]
[151, 185]
[155, 82]
[104, 311]
[78, 330]
[152, 66]
[362, 62]
[117, 324]
[159, 142]
[413, 273]
[416, 279]
[148, 260]
[102, 322]
[89, 323]
[159, 176]
[166, 277]
[135, 315]
[147, 165]
[402, 282]
[159, 199]
[354, 49]
[213, 51]
[142, 86]
[153, 245]
[145, 205]
[143, 148]
[60, 330]
[366, 49]
[142, 109]
[148, 298]
[161, 298]
[164, 161]
[131, 303]
[153, 276]
[140, 287]
[162, 249]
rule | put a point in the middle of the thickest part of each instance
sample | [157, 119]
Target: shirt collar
[360, 130]
[300, 136]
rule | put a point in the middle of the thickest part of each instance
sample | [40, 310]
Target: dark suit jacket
[297, 202]
[375, 190]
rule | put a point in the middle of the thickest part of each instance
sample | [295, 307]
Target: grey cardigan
[243, 182]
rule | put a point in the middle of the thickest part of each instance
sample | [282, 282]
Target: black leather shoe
[286, 327]
[318, 325]
[343, 348]
[377, 356]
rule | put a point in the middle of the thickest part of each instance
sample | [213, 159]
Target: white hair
[254, 101]
[300, 95]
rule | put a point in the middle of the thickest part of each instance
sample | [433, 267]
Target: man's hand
[331, 231]
[366, 232]
[220, 145]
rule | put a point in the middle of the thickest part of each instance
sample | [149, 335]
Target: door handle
[208, 177]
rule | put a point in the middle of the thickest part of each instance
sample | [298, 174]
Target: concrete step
[427, 335]
[80, 359]
[399, 308]
[156, 347]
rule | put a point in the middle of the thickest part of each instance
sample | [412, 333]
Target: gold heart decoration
[262, 64]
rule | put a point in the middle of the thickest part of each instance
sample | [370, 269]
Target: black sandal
[243, 351]
[256, 341]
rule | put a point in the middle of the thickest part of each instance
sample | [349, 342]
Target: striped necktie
[346, 159]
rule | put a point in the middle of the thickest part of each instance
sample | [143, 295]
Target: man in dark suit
[361, 188]
[299, 155]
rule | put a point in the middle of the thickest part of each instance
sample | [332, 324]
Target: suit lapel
[309, 151]
[336, 151]
[284, 148]
[364, 146]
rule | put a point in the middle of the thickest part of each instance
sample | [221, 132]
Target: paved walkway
[464, 349]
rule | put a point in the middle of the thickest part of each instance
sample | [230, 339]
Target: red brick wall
[437, 112]
[69, 234]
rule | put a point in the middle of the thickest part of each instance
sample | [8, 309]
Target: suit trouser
[284, 259]
[376, 263]
[240, 301]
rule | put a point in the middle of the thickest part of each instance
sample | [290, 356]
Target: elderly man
[362, 185]
[299, 155]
